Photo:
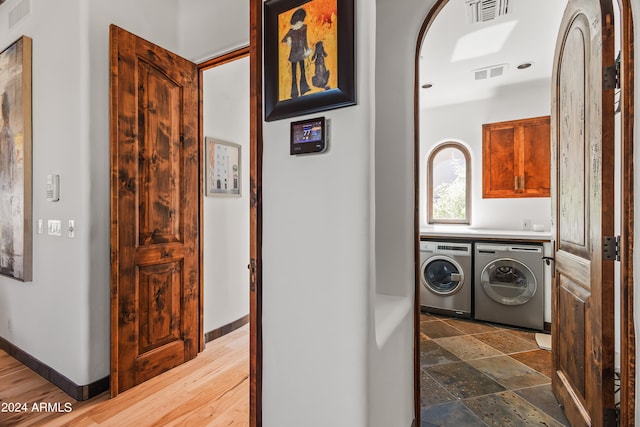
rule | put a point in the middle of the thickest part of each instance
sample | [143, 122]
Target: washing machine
[509, 284]
[446, 277]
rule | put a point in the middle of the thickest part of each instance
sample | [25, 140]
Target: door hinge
[611, 248]
[612, 75]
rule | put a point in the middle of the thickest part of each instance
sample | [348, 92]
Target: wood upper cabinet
[516, 158]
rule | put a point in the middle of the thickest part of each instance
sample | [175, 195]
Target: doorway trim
[627, 328]
[627, 316]
[255, 216]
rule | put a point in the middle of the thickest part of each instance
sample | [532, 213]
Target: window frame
[467, 157]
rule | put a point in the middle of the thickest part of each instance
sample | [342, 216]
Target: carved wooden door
[155, 185]
[583, 167]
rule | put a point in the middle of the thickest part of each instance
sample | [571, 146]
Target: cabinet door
[500, 160]
[516, 158]
[536, 156]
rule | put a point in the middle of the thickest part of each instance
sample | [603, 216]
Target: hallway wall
[226, 218]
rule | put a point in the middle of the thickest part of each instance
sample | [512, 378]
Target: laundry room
[486, 187]
[485, 103]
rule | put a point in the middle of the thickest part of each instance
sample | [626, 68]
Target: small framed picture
[222, 168]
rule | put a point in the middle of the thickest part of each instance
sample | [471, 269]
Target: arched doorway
[627, 332]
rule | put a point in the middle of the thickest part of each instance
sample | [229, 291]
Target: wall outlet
[525, 224]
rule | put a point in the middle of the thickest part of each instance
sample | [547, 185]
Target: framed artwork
[308, 56]
[15, 161]
[222, 168]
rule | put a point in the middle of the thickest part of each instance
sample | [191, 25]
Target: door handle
[252, 274]
[456, 277]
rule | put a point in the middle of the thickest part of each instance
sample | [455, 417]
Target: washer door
[508, 281]
[442, 275]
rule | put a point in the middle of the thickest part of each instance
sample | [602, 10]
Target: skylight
[483, 42]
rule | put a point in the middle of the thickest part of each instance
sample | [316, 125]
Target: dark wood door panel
[160, 172]
[572, 303]
[159, 302]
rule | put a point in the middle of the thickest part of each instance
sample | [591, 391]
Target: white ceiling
[453, 48]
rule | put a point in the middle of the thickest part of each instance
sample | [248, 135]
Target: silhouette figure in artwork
[321, 78]
[7, 166]
[296, 39]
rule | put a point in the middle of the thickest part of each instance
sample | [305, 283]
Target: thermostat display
[308, 136]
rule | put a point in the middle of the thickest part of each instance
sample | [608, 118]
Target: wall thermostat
[53, 187]
[309, 136]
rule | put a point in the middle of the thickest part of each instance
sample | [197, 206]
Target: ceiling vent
[486, 10]
[489, 72]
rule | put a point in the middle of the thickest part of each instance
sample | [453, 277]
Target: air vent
[486, 10]
[19, 12]
[489, 72]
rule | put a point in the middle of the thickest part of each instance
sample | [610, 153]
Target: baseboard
[78, 392]
[225, 329]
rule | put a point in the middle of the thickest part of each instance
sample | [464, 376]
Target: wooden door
[155, 188]
[583, 168]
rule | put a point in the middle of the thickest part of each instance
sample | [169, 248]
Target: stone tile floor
[480, 374]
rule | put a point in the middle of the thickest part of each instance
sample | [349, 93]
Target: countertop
[462, 232]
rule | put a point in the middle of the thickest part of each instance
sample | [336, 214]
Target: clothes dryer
[446, 277]
[509, 284]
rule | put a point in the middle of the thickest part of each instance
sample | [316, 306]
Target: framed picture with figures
[308, 56]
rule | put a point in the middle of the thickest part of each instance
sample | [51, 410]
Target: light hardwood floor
[211, 390]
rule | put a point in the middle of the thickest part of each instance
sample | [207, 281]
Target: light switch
[72, 229]
[40, 226]
[54, 227]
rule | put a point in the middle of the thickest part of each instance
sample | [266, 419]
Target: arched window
[449, 185]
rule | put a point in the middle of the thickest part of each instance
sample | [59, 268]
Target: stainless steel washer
[509, 285]
[446, 277]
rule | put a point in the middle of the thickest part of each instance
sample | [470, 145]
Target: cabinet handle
[522, 183]
[516, 182]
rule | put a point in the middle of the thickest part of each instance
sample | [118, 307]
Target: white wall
[316, 264]
[226, 219]
[30, 313]
[208, 28]
[390, 391]
[463, 123]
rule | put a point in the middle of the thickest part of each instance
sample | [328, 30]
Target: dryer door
[442, 275]
[508, 281]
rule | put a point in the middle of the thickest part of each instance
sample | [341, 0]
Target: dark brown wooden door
[155, 187]
[583, 168]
